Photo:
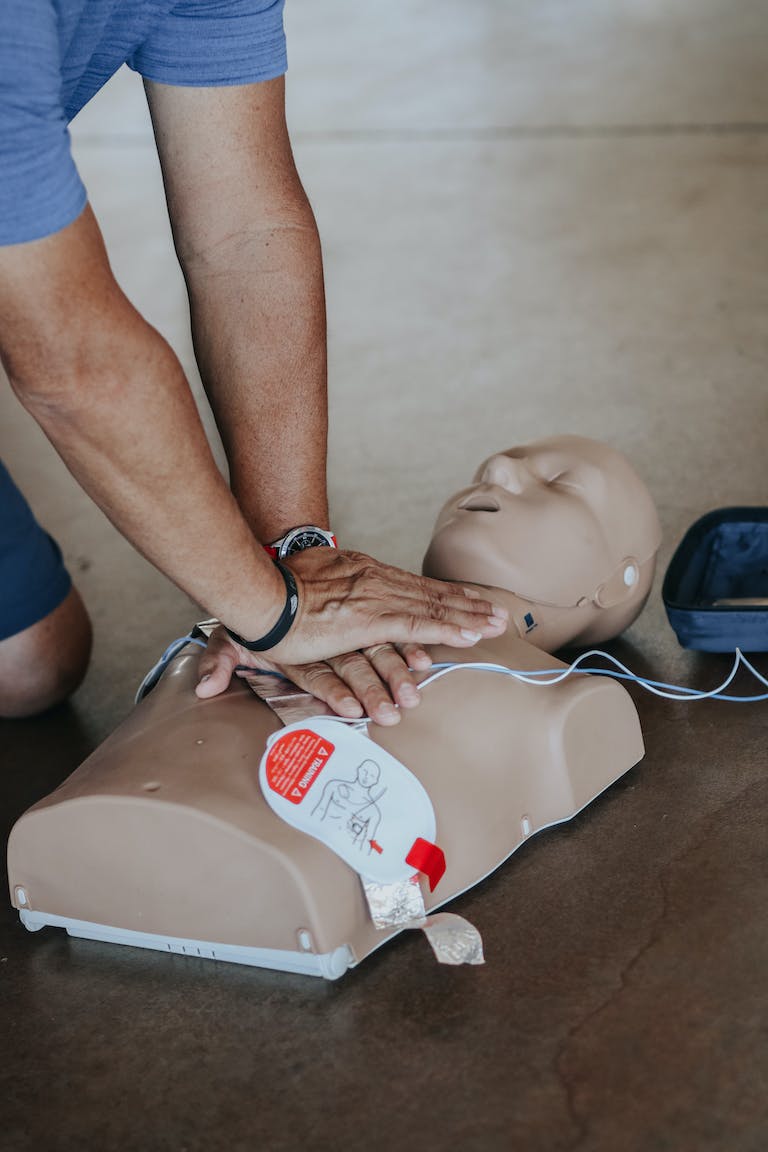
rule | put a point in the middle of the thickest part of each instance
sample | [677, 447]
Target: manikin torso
[164, 830]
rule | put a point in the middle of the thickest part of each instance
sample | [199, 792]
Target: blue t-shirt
[56, 54]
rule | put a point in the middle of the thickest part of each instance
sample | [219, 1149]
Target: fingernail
[387, 714]
[472, 593]
[409, 696]
[497, 622]
[500, 612]
[474, 636]
[203, 679]
[349, 704]
[417, 657]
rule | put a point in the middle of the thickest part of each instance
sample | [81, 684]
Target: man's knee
[45, 663]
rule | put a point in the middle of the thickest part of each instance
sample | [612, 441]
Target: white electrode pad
[333, 782]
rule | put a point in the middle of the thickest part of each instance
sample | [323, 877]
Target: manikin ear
[620, 586]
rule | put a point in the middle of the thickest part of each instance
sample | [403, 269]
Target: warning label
[295, 761]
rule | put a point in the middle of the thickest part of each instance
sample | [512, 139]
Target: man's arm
[111, 396]
[248, 245]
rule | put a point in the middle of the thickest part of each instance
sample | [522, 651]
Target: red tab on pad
[429, 859]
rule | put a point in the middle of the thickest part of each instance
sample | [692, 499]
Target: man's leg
[45, 633]
[45, 663]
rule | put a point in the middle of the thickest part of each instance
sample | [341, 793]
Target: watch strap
[286, 619]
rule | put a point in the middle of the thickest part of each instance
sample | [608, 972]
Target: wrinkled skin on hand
[358, 635]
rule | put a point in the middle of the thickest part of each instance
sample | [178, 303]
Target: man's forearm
[248, 245]
[258, 315]
[112, 397]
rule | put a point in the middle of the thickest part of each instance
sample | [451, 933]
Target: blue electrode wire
[542, 678]
[156, 672]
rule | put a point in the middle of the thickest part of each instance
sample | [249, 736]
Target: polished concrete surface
[536, 217]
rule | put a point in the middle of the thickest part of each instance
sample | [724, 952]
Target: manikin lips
[480, 502]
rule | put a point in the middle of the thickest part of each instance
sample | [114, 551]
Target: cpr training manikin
[210, 827]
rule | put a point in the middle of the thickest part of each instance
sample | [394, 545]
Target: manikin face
[550, 521]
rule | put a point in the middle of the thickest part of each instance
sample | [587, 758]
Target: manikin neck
[543, 626]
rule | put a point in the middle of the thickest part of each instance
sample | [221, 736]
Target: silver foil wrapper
[454, 940]
[395, 905]
[401, 905]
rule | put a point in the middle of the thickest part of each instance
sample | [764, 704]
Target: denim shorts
[33, 579]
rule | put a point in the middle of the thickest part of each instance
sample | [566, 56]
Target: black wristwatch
[307, 536]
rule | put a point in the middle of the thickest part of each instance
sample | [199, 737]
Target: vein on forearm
[258, 320]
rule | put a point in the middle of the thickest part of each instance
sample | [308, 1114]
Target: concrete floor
[536, 217]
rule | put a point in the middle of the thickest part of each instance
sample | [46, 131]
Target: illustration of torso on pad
[352, 805]
[565, 533]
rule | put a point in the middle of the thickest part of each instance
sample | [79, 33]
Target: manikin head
[566, 526]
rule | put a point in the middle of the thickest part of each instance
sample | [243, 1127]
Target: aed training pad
[716, 587]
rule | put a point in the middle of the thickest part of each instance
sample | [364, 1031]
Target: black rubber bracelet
[287, 617]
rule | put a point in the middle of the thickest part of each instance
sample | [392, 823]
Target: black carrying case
[722, 557]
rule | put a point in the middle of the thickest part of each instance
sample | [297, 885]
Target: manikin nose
[507, 472]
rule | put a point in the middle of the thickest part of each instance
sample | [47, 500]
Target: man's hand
[374, 682]
[368, 620]
[348, 601]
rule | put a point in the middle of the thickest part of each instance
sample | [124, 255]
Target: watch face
[304, 538]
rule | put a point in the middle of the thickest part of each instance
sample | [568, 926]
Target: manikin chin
[163, 838]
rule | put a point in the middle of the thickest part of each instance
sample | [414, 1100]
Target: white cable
[542, 678]
[536, 678]
[757, 675]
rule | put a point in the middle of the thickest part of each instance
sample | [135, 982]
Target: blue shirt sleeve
[208, 43]
[40, 189]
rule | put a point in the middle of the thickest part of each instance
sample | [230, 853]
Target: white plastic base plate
[331, 965]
